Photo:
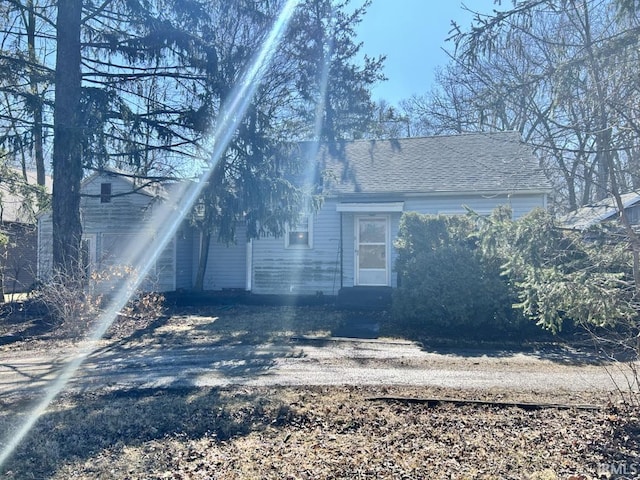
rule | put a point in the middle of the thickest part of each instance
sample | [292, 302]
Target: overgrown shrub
[74, 304]
[71, 306]
[446, 282]
[562, 276]
[477, 272]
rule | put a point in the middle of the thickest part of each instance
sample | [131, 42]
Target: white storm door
[372, 251]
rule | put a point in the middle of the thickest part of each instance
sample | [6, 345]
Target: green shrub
[563, 276]
[446, 283]
[484, 275]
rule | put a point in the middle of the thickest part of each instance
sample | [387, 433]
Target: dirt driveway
[279, 397]
[301, 360]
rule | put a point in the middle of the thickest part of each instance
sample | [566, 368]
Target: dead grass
[312, 433]
[20, 330]
[304, 433]
[259, 324]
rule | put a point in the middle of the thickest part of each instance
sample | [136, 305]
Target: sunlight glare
[310, 154]
[165, 222]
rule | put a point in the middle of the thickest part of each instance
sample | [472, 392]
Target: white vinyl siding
[280, 270]
[227, 263]
[521, 205]
[115, 225]
[266, 264]
[45, 246]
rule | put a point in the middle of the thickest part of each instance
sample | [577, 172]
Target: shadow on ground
[20, 321]
[78, 427]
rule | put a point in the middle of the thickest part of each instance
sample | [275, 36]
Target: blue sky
[412, 33]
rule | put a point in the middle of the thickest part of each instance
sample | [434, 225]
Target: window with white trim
[300, 234]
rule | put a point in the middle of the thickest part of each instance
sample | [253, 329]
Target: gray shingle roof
[598, 212]
[467, 163]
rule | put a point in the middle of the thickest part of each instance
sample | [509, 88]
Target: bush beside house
[447, 283]
[483, 276]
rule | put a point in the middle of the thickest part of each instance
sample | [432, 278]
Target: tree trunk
[67, 142]
[38, 150]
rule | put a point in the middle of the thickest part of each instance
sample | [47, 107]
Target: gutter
[449, 193]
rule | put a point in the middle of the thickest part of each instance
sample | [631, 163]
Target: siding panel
[18, 257]
[184, 257]
[227, 264]
[520, 205]
[280, 270]
[123, 220]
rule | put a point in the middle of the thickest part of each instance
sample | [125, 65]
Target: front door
[372, 251]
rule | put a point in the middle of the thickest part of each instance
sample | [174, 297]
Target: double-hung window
[300, 233]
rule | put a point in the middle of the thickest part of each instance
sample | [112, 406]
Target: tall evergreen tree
[140, 84]
[334, 85]
[314, 90]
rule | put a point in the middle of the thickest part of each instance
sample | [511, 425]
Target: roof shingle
[466, 163]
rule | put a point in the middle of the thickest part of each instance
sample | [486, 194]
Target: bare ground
[301, 432]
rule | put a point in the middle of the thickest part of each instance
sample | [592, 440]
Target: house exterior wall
[109, 228]
[326, 268]
[227, 263]
[45, 246]
[633, 214]
[18, 257]
[266, 265]
[483, 205]
[277, 269]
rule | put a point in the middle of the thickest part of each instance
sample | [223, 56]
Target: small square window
[300, 234]
[105, 193]
[299, 238]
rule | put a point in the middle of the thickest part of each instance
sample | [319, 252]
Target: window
[300, 234]
[105, 193]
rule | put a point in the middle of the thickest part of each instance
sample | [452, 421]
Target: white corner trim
[249, 266]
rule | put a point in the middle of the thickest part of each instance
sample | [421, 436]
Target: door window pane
[372, 231]
[372, 256]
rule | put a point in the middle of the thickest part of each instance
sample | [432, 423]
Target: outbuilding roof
[456, 164]
[597, 212]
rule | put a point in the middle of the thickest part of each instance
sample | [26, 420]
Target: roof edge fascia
[447, 193]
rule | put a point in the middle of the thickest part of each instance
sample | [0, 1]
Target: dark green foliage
[446, 283]
[314, 89]
[484, 273]
[144, 84]
[333, 88]
[564, 276]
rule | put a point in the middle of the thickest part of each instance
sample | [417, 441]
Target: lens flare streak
[165, 222]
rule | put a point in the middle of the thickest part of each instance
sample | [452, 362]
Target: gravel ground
[200, 350]
[192, 398]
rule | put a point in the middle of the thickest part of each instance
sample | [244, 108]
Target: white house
[348, 242]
